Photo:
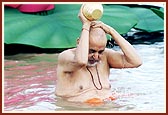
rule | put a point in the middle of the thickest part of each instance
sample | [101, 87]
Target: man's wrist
[111, 31]
[86, 26]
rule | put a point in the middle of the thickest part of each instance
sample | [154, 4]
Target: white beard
[92, 65]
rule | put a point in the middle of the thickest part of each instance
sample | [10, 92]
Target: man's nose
[96, 56]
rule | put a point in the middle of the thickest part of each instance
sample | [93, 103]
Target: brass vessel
[92, 11]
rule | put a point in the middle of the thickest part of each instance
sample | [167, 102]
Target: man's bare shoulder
[67, 52]
[109, 51]
[66, 55]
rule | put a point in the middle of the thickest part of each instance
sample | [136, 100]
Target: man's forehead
[97, 48]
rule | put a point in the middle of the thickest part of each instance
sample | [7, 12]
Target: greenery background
[60, 27]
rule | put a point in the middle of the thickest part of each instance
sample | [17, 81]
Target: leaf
[159, 12]
[119, 17]
[148, 20]
[51, 31]
[61, 28]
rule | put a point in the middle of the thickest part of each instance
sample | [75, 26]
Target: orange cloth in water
[112, 98]
[98, 101]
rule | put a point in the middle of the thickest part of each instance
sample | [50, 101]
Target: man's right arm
[71, 60]
[81, 54]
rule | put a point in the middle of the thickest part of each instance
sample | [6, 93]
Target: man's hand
[99, 24]
[82, 17]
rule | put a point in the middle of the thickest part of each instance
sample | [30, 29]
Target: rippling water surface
[29, 84]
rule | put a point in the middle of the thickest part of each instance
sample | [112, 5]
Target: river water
[29, 84]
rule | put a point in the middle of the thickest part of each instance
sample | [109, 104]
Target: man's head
[97, 45]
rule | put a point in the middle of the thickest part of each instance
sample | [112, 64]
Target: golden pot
[92, 11]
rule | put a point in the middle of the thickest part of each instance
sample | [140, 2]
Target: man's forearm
[83, 46]
[130, 53]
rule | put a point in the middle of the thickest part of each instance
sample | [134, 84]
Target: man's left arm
[129, 58]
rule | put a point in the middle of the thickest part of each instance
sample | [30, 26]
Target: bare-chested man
[83, 72]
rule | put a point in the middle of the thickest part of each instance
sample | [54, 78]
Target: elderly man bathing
[83, 72]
